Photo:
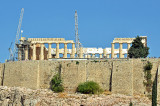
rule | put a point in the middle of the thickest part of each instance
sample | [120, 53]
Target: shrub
[131, 104]
[89, 87]
[77, 62]
[95, 61]
[56, 83]
[148, 66]
[148, 76]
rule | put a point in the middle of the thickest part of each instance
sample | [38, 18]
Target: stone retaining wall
[123, 76]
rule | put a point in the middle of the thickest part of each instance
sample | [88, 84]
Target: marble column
[120, 50]
[112, 51]
[73, 50]
[93, 55]
[42, 52]
[65, 50]
[57, 50]
[100, 55]
[128, 46]
[108, 55]
[88, 56]
[115, 55]
[49, 50]
[81, 53]
[34, 52]
[123, 55]
[26, 52]
[104, 53]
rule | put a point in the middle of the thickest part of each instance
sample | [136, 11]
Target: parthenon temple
[35, 49]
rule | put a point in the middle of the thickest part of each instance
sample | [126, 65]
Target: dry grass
[107, 92]
[62, 95]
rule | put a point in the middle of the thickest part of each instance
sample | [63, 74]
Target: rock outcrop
[16, 96]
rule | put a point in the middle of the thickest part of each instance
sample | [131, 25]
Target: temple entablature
[49, 40]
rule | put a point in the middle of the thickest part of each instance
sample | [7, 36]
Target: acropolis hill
[38, 64]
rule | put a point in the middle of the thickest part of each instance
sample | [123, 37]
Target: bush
[148, 76]
[148, 66]
[77, 62]
[131, 104]
[56, 83]
[89, 87]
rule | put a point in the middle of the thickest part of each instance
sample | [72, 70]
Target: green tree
[137, 50]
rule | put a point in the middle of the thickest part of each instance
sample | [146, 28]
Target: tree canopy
[137, 50]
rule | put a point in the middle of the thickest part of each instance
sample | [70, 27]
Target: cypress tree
[154, 92]
[137, 50]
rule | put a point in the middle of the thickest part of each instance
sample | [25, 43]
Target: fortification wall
[72, 74]
[75, 72]
[30, 74]
[100, 72]
[46, 70]
[122, 77]
[125, 76]
[21, 73]
[138, 76]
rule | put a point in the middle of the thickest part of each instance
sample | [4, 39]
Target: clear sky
[100, 21]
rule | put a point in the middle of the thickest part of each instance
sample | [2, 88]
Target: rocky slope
[16, 96]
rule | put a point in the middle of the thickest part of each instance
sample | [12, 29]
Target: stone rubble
[16, 96]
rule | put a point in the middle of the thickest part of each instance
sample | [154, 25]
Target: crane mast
[76, 34]
[13, 54]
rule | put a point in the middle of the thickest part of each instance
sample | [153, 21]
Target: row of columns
[73, 51]
[57, 51]
[23, 52]
[120, 50]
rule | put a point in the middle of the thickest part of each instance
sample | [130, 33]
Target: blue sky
[100, 21]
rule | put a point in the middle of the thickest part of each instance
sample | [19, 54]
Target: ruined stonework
[124, 76]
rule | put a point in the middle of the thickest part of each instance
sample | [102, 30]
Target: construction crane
[76, 35]
[10, 51]
[14, 52]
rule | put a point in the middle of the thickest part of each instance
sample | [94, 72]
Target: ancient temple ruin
[34, 49]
